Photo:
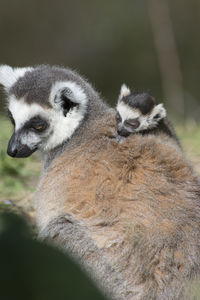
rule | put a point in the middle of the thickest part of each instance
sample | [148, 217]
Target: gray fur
[35, 85]
[164, 126]
[67, 233]
[128, 212]
[144, 103]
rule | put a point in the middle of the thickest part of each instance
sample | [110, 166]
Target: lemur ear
[159, 112]
[65, 100]
[9, 75]
[125, 91]
[67, 95]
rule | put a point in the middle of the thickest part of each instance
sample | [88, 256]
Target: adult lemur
[128, 211]
[138, 113]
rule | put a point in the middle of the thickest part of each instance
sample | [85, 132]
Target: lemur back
[132, 201]
[128, 212]
[164, 126]
[138, 113]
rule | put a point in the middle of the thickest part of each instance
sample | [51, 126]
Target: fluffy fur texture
[63, 127]
[139, 203]
[39, 93]
[125, 91]
[9, 76]
[129, 212]
[141, 101]
[22, 112]
[146, 121]
[73, 232]
[146, 116]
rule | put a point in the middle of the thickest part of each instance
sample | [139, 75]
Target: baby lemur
[138, 113]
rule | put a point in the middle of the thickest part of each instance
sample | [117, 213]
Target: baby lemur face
[137, 112]
[45, 105]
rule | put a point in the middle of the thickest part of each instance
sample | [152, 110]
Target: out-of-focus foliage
[190, 138]
[17, 176]
[110, 42]
[31, 270]
[193, 290]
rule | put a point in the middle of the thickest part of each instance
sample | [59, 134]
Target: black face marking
[132, 123]
[157, 116]
[67, 104]
[118, 117]
[144, 102]
[122, 131]
[16, 149]
[36, 124]
[9, 114]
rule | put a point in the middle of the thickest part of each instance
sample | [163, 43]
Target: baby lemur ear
[158, 112]
[65, 96]
[9, 75]
[125, 91]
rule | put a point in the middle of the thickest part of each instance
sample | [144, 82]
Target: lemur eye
[39, 127]
[36, 124]
[133, 123]
[118, 117]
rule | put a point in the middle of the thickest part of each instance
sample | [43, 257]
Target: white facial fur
[63, 126]
[60, 128]
[9, 75]
[76, 93]
[22, 112]
[146, 121]
[125, 91]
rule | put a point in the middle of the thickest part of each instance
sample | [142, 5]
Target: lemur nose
[12, 153]
[12, 149]
[123, 132]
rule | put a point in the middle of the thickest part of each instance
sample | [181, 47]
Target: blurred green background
[152, 45]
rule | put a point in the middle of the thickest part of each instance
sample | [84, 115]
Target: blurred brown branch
[165, 44]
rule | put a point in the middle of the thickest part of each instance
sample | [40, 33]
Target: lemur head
[45, 105]
[137, 112]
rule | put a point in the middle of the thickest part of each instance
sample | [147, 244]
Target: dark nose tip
[11, 151]
[123, 132]
[16, 149]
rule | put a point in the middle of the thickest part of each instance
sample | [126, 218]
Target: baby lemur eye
[133, 123]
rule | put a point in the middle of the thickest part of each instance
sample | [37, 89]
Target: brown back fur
[164, 126]
[138, 204]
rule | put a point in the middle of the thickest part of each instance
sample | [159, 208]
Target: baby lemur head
[137, 112]
[45, 105]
